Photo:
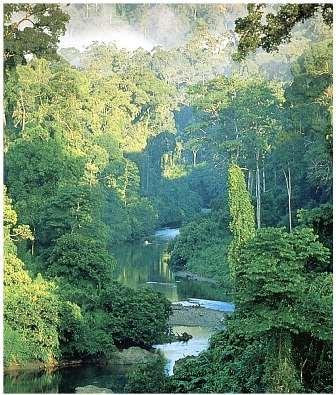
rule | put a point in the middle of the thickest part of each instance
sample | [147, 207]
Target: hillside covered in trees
[122, 119]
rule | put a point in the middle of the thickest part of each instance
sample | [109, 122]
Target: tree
[32, 29]
[280, 337]
[277, 29]
[242, 224]
[274, 293]
[31, 308]
[79, 259]
[244, 117]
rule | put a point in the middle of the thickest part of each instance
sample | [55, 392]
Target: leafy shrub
[135, 317]
[76, 257]
[148, 378]
[202, 247]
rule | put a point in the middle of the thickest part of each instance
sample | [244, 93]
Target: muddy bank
[197, 316]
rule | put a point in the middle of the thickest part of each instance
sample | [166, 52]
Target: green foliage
[310, 99]
[31, 305]
[202, 248]
[102, 153]
[116, 317]
[140, 321]
[31, 311]
[18, 348]
[283, 316]
[36, 31]
[77, 258]
[278, 274]
[142, 218]
[199, 234]
[176, 204]
[277, 29]
[211, 261]
[148, 378]
[85, 335]
[242, 224]
[320, 219]
[73, 209]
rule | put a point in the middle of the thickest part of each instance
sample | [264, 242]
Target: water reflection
[140, 265]
[67, 379]
[32, 382]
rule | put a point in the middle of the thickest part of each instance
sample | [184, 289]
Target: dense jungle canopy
[124, 118]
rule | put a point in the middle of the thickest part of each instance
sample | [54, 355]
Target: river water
[139, 264]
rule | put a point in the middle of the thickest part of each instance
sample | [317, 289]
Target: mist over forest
[170, 27]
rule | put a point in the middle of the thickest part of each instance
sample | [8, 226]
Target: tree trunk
[256, 188]
[194, 157]
[33, 241]
[258, 193]
[264, 180]
[289, 193]
[301, 370]
[147, 174]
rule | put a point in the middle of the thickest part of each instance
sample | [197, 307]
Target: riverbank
[129, 356]
[193, 276]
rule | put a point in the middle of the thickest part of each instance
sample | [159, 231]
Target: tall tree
[32, 29]
[242, 224]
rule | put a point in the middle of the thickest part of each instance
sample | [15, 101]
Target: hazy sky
[159, 25]
[122, 37]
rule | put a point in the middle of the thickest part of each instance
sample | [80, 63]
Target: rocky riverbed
[197, 316]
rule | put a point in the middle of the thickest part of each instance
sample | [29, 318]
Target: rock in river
[135, 355]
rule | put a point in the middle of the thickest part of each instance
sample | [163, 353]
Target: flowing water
[139, 264]
[177, 350]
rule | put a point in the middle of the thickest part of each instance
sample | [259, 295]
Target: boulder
[135, 355]
[184, 337]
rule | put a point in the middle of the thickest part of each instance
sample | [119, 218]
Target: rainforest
[167, 198]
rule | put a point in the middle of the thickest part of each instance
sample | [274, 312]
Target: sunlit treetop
[268, 30]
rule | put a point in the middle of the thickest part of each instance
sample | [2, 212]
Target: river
[139, 264]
